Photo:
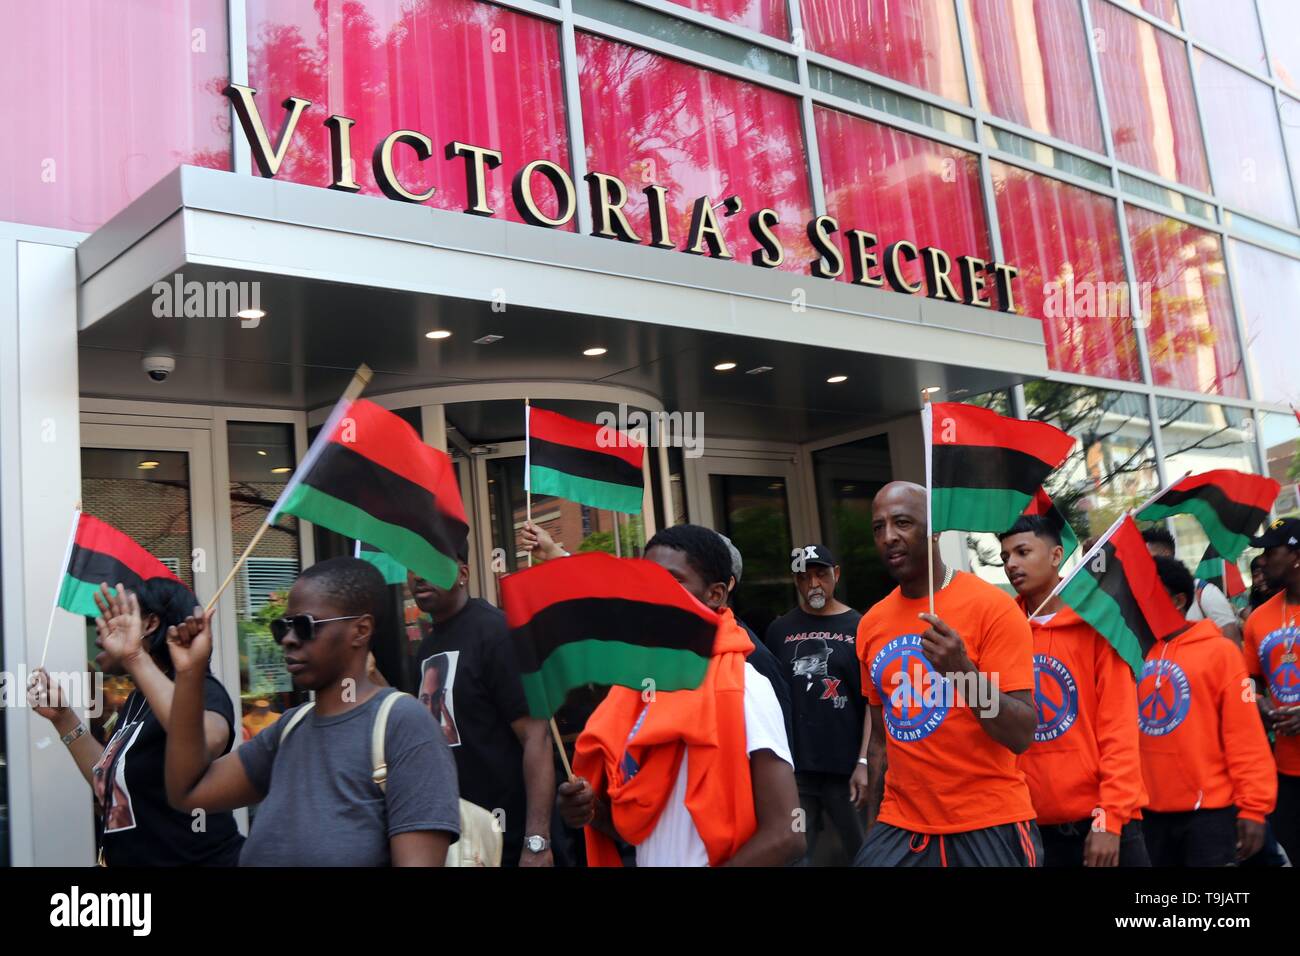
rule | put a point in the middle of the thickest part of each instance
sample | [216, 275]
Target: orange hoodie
[708, 723]
[1203, 743]
[1084, 757]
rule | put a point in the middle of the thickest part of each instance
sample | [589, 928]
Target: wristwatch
[536, 844]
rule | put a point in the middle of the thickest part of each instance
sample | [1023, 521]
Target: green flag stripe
[977, 509]
[1228, 543]
[595, 661]
[1103, 612]
[393, 571]
[77, 596]
[585, 491]
[401, 544]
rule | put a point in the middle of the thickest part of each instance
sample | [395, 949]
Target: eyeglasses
[303, 626]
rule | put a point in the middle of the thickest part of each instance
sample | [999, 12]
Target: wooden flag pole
[528, 506]
[360, 379]
[1102, 540]
[928, 412]
[67, 555]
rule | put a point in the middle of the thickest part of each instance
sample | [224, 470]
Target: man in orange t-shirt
[1210, 777]
[951, 706]
[1084, 771]
[1271, 659]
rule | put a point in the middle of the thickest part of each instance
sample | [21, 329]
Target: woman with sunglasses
[136, 824]
[322, 806]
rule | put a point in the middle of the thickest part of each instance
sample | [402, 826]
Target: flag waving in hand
[580, 461]
[369, 476]
[99, 554]
[1043, 505]
[1230, 505]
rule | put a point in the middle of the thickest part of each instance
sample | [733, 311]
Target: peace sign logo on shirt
[1056, 698]
[1164, 698]
[914, 696]
[1277, 653]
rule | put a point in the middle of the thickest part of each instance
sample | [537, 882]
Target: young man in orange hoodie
[1209, 773]
[699, 777]
[1083, 768]
[1271, 659]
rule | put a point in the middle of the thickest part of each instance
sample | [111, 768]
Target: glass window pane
[1045, 155]
[899, 185]
[651, 119]
[1169, 198]
[1289, 113]
[1065, 242]
[1201, 437]
[754, 512]
[761, 16]
[912, 41]
[1149, 96]
[1166, 10]
[1281, 436]
[261, 458]
[1281, 19]
[146, 495]
[1229, 26]
[848, 477]
[701, 39]
[1241, 126]
[1112, 467]
[1192, 333]
[455, 70]
[1263, 279]
[887, 101]
[106, 98]
[1032, 67]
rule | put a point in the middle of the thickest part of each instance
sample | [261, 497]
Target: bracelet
[864, 762]
[74, 733]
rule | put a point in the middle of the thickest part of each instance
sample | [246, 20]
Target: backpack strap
[296, 719]
[377, 758]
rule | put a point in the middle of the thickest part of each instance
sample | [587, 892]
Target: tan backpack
[480, 838]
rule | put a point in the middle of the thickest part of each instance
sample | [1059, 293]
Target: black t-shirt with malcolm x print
[819, 661]
[469, 679]
[139, 827]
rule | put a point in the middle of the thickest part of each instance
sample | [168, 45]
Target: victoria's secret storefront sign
[867, 262]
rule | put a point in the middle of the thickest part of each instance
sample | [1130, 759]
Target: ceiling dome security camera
[158, 366]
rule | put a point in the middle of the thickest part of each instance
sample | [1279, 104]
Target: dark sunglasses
[303, 626]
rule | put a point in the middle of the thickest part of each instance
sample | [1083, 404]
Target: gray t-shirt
[323, 809]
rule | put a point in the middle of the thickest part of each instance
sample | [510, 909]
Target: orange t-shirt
[1273, 652]
[945, 773]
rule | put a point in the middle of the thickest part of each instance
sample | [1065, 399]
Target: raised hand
[190, 642]
[121, 630]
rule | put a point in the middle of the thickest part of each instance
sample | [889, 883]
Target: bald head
[898, 526]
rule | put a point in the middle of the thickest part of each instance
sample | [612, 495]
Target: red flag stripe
[96, 535]
[1144, 580]
[553, 427]
[1256, 491]
[958, 424]
[392, 443]
[593, 575]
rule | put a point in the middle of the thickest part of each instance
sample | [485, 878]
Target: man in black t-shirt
[469, 680]
[815, 643]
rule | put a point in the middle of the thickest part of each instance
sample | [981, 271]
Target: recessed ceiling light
[594, 352]
[147, 465]
[261, 452]
[759, 370]
[488, 339]
[438, 334]
[250, 314]
[836, 379]
[724, 366]
[929, 389]
[281, 470]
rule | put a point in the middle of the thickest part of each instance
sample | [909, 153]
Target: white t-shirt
[675, 841]
[1212, 603]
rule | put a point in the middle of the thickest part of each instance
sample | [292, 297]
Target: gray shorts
[1011, 844]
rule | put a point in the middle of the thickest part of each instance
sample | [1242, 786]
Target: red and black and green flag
[594, 465]
[597, 619]
[1223, 574]
[1230, 505]
[99, 554]
[369, 476]
[1118, 591]
[393, 571]
[983, 469]
[1043, 505]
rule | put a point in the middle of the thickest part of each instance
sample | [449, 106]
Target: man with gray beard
[815, 643]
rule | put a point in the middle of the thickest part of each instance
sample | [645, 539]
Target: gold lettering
[819, 234]
[862, 259]
[268, 159]
[522, 190]
[342, 169]
[938, 279]
[386, 176]
[608, 194]
[477, 160]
